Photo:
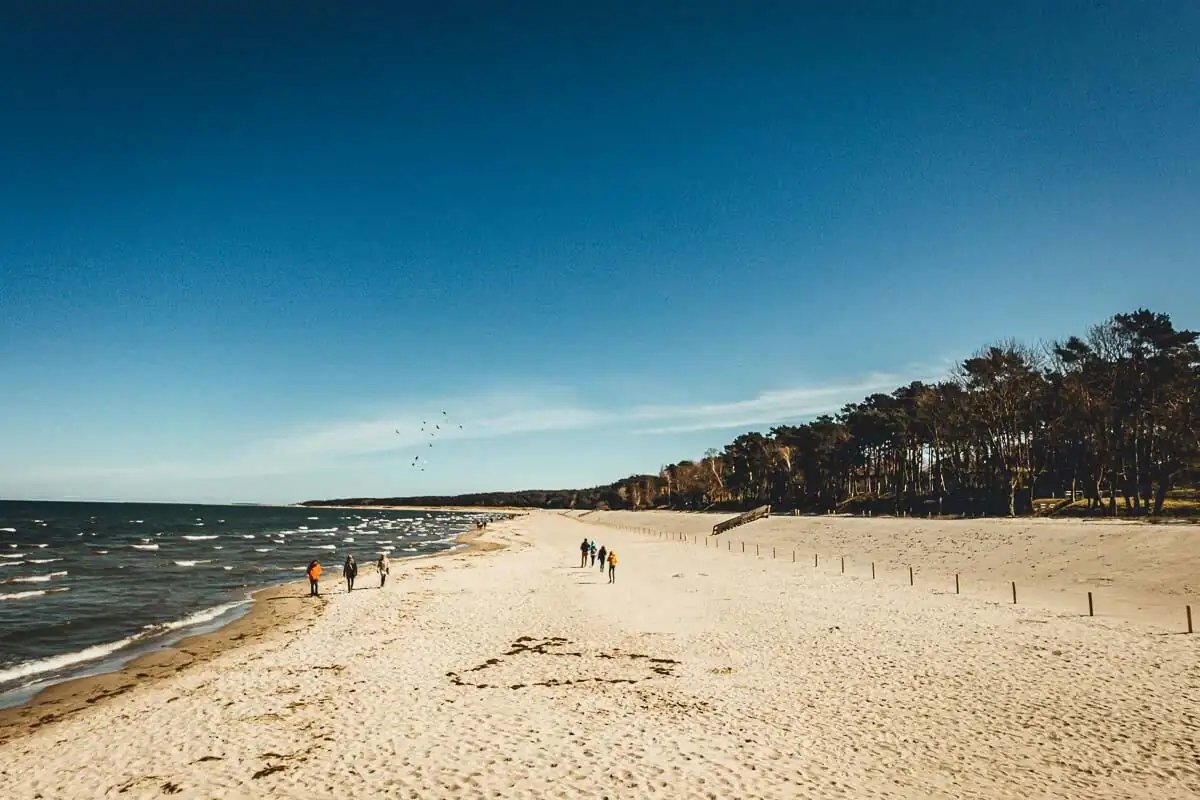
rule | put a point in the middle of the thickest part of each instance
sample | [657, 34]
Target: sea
[87, 587]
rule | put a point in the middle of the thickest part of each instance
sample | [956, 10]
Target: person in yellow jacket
[314, 577]
[612, 566]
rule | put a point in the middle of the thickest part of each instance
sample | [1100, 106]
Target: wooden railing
[741, 519]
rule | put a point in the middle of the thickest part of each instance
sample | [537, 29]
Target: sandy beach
[703, 672]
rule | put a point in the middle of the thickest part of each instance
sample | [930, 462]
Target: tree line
[1111, 417]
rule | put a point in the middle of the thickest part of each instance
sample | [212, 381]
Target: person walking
[314, 577]
[612, 566]
[592, 551]
[603, 557]
[384, 568]
[583, 553]
[350, 572]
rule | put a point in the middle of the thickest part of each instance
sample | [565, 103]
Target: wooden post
[1091, 608]
[756, 549]
[1189, 616]
[772, 552]
[816, 559]
[843, 565]
[743, 547]
[956, 583]
[793, 556]
[872, 570]
[910, 577]
[1014, 588]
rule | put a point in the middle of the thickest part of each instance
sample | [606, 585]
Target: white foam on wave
[144, 546]
[100, 552]
[325, 547]
[314, 517]
[8, 530]
[192, 563]
[227, 569]
[387, 549]
[383, 541]
[349, 539]
[29, 595]
[40, 546]
[30, 669]
[247, 535]
[37, 578]
[200, 538]
[43, 560]
[263, 549]
[12, 555]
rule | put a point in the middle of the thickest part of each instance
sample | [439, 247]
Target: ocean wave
[43, 560]
[349, 540]
[200, 538]
[314, 517]
[263, 549]
[8, 530]
[247, 535]
[30, 669]
[100, 552]
[29, 595]
[37, 578]
[11, 555]
[144, 546]
[325, 547]
[192, 563]
[227, 569]
[383, 541]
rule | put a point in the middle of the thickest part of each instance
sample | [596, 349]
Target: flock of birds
[433, 434]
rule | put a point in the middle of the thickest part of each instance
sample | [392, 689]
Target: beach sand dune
[700, 673]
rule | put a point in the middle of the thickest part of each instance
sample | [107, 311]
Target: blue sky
[242, 245]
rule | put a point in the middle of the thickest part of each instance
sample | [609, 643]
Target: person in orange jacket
[612, 566]
[314, 576]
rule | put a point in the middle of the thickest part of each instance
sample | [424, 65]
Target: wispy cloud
[322, 446]
[492, 416]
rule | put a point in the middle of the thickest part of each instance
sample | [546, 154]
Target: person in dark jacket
[584, 549]
[603, 557]
[350, 572]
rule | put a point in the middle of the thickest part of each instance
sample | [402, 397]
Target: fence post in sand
[956, 583]
[816, 559]
[872, 570]
[756, 549]
[843, 565]
[1014, 588]
[729, 544]
[772, 552]
[743, 547]
[794, 561]
[910, 577]
[1091, 608]
[1189, 616]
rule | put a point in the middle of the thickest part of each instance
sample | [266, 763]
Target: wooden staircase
[741, 519]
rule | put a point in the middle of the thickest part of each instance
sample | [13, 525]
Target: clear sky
[241, 244]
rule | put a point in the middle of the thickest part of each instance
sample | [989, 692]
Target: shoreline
[274, 611]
